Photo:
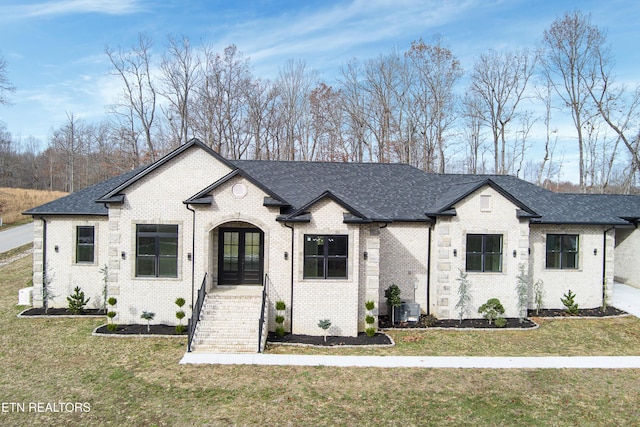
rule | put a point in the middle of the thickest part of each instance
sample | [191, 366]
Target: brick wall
[62, 269]
[586, 280]
[498, 217]
[627, 267]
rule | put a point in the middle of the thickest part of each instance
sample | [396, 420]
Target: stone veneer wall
[498, 217]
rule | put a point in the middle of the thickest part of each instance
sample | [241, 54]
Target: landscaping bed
[582, 312]
[426, 321]
[361, 339]
[141, 330]
[39, 311]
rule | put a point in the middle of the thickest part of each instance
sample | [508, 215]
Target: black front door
[240, 256]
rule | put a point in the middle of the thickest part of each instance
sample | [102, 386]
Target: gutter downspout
[44, 263]
[292, 255]
[193, 252]
[428, 310]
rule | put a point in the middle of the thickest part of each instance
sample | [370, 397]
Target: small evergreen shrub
[571, 307]
[538, 294]
[369, 319]
[111, 326]
[280, 307]
[491, 310]
[76, 301]
[370, 332]
[369, 305]
[501, 322]
[464, 295]
[180, 328]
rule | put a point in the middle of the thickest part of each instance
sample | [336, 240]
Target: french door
[240, 256]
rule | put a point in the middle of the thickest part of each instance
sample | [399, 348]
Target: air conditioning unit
[410, 311]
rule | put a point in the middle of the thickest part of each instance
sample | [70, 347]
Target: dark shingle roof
[82, 202]
[370, 192]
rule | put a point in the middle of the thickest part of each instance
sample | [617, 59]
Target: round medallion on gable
[239, 190]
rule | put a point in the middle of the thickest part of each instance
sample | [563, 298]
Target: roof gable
[113, 195]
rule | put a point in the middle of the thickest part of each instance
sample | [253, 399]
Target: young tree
[572, 46]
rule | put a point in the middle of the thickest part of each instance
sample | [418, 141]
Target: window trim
[157, 236]
[561, 252]
[79, 244]
[483, 253]
[326, 257]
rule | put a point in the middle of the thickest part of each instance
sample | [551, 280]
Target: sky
[54, 49]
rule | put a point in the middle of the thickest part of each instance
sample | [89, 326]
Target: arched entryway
[238, 254]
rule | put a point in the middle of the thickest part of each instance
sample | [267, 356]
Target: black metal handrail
[262, 311]
[195, 312]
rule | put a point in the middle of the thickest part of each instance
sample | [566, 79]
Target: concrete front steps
[228, 323]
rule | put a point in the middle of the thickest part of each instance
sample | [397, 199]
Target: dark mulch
[582, 312]
[430, 322]
[361, 339]
[39, 311]
[140, 330]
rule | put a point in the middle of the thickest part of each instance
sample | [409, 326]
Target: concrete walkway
[625, 297]
[595, 362]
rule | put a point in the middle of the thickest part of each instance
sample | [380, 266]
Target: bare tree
[68, 141]
[295, 83]
[571, 50]
[472, 131]
[221, 111]
[354, 104]
[5, 84]
[436, 72]
[499, 81]
[138, 108]
[180, 69]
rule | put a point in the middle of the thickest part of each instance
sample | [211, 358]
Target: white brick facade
[423, 258]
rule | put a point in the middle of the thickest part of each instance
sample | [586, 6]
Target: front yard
[137, 381]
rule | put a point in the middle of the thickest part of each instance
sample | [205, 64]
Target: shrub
[180, 315]
[538, 294]
[522, 289]
[77, 302]
[112, 301]
[280, 331]
[279, 319]
[429, 320]
[568, 301]
[392, 294]
[369, 305]
[491, 310]
[370, 332]
[111, 314]
[369, 319]
[112, 327]
[501, 322]
[280, 305]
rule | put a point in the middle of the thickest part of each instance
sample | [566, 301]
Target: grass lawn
[137, 381]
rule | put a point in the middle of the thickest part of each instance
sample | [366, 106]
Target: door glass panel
[252, 251]
[231, 239]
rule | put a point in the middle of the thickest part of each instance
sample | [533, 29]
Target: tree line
[416, 106]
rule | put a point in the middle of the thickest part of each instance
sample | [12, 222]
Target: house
[324, 238]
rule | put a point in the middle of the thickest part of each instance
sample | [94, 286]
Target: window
[562, 251]
[325, 256]
[156, 250]
[484, 252]
[85, 244]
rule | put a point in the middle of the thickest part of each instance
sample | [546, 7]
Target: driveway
[626, 298]
[15, 237]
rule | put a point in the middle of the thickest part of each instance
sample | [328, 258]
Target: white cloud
[68, 7]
